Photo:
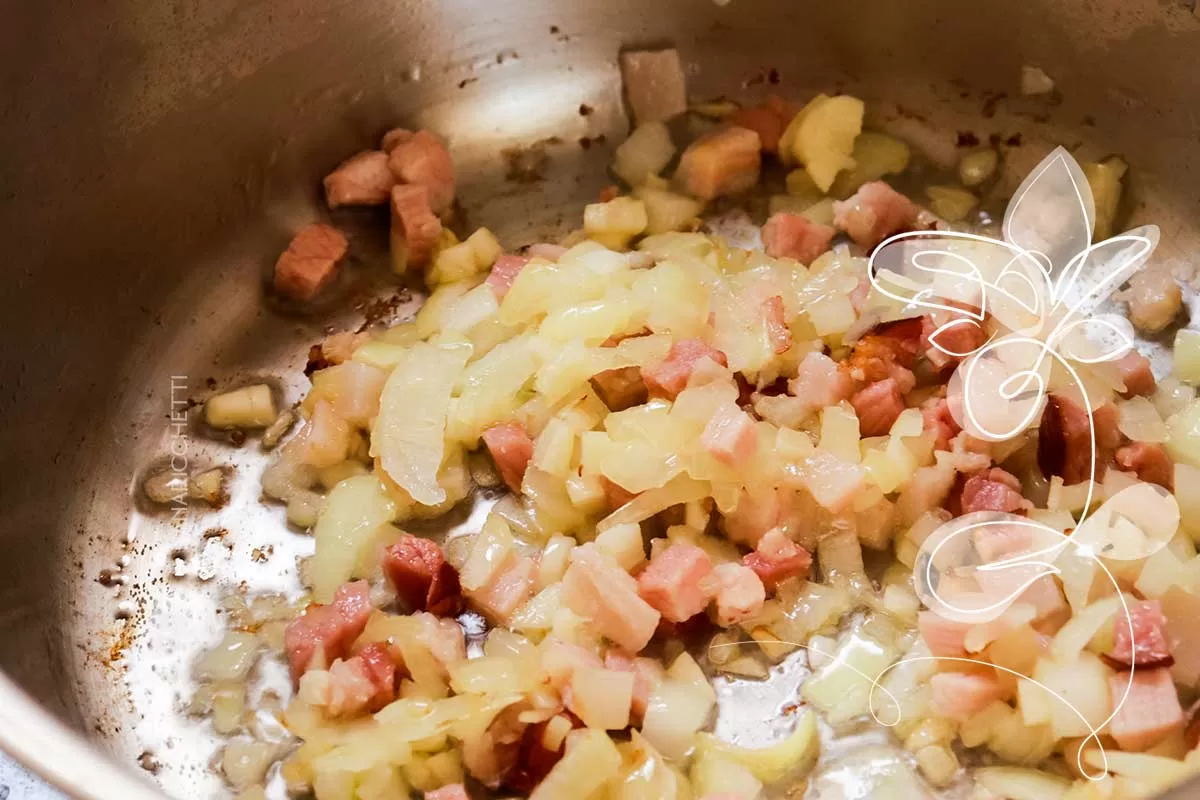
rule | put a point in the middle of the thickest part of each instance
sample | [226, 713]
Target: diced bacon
[454, 791]
[414, 225]
[1149, 461]
[944, 637]
[769, 120]
[954, 343]
[353, 602]
[888, 351]
[1065, 439]
[940, 422]
[960, 696]
[740, 594]
[1150, 645]
[994, 490]
[596, 588]
[647, 674]
[721, 163]
[422, 160]
[878, 406]
[1107, 421]
[777, 558]
[511, 449]
[777, 329]
[670, 377]
[510, 587]
[1135, 372]
[394, 138]
[347, 688]
[362, 180]
[309, 263]
[730, 436]
[504, 272]
[381, 669]
[325, 632]
[442, 636]
[620, 388]
[819, 382]
[1150, 713]
[671, 582]
[423, 580]
[795, 236]
[875, 212]
[610, 192]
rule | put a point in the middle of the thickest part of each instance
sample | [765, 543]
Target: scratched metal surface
[137, 261]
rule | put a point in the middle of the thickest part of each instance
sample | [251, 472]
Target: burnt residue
[967, 139]
[991, 102]
[465, 82]
[316, 361]
[909, 113]
[585, 110]
[527, 164]
[382, 309]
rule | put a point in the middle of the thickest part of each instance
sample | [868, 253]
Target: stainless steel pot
[155, 156]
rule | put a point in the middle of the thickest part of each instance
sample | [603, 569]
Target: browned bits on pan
[967, 139]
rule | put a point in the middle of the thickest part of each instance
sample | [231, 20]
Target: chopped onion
[208, 486]
[789, 758]
[166, 487]
[977, 166]
[408, 435]
[1034, 80]
[245, 762]
[715, 775]
[248, 407]
[674, 713]
[1015, 783]
[353, 514]
[646, 152]
[1140, 421]
[231, 659]
[602, 698]
[680, 489]
[590, 761]
[950, 202]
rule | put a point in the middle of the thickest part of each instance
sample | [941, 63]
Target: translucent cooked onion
[407, 436]
[231, 660]
[1140, 421]
[245, 762]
